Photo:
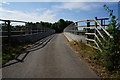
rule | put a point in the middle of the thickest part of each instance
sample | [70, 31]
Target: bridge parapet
[91, 32]
[23, 33]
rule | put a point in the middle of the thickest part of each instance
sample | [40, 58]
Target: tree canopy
[57, 26]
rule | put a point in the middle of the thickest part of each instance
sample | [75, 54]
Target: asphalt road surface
[54, 60]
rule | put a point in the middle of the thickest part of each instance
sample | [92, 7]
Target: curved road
[55, 60]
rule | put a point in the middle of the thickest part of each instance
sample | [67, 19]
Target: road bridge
[50, 56]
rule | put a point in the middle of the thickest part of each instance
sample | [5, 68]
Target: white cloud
[61, 0]
[41, 9]
[4, 2]
[76, 5]
[47, 15]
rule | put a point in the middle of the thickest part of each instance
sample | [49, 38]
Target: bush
[111, 49]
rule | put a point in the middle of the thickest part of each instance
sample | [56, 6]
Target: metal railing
[29, 29]
[95, 31]
[22, 32]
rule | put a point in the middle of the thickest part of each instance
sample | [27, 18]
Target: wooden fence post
[102, 22]
[88, 25]
[95, 29]
[76, 24]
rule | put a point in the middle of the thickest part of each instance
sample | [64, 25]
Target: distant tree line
[57, 26]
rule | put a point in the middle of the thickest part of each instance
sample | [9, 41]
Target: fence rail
[29, 31]
[95, 30]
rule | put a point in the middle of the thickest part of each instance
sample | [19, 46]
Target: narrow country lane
[55, 60]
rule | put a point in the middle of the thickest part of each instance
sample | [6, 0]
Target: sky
[53, 11]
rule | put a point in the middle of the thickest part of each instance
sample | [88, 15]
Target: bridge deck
[55, 60]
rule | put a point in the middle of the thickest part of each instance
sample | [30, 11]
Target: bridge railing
[25, 32]
[93, 31]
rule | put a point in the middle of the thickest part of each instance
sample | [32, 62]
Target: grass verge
[10, 52]
[91, 56]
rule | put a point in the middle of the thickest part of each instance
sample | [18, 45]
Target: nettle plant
[111, 48]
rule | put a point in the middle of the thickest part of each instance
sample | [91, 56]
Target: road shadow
[16, 60]
[26, 52]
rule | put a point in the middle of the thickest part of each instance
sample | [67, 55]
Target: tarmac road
[55, 60]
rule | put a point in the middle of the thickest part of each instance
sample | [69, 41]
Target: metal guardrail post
[37, 28]
[9, 32]
[26, 31]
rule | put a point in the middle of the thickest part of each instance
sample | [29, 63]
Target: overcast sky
[53, 11]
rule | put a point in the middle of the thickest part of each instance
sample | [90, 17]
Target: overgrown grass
[84, 50]
[10, 51]
[96, 59]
